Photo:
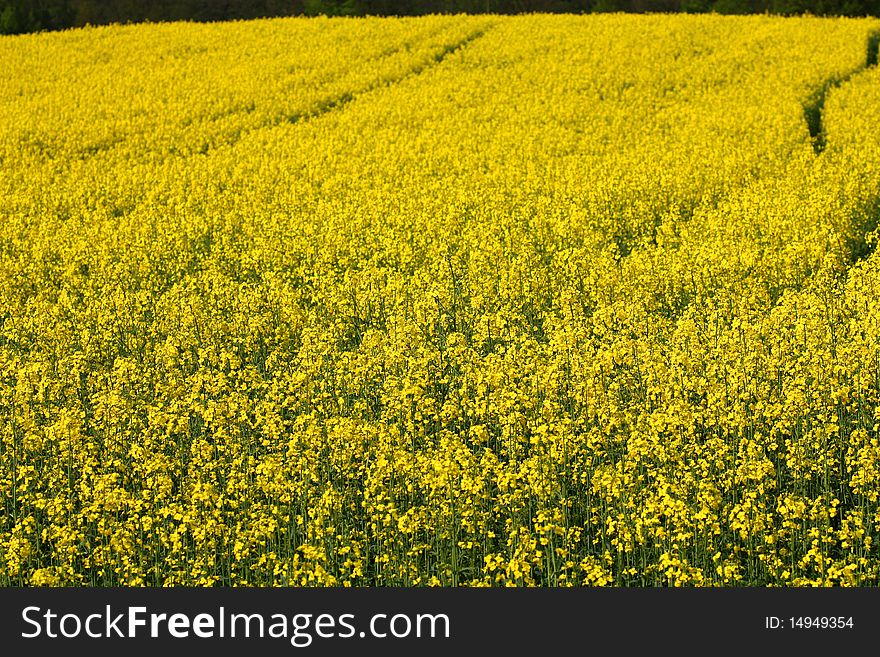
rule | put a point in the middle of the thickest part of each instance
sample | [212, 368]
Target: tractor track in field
[339, 101]
[343, 99]
[319, 109]
[813, 110]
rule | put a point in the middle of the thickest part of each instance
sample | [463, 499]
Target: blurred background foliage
[18, 16]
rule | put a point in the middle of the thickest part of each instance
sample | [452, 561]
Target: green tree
[332, 8]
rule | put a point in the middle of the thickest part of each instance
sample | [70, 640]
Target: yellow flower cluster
[487, 301]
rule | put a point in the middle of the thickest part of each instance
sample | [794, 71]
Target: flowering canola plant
[485, 301]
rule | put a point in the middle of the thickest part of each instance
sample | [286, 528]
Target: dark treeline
[18, 16]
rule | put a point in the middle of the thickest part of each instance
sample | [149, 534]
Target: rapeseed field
[452, 300]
